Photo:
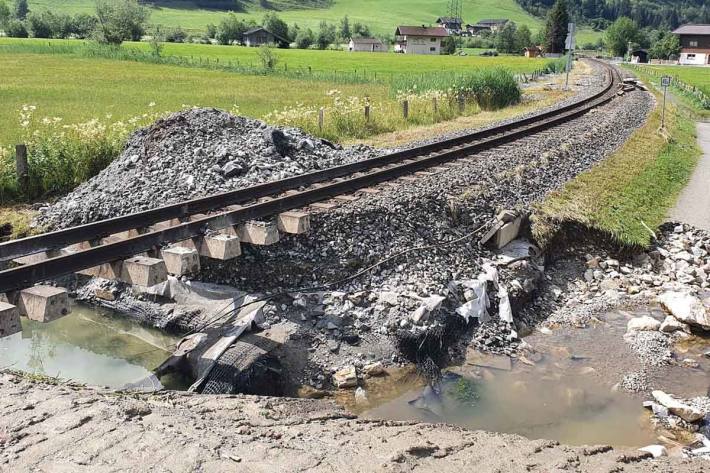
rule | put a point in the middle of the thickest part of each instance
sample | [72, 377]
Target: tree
[277, 26]
[5, 14]
[211, 31]
[326, 35]
[231, 29]
[16, 29]
[41, 24]
[523, 38]
[360, 30]
[622, 32]
[120, 20]
[556, 28]
[506, 39]
[304, 38]
[21, 9]
[665, 46]
[344, 32]
[83, 24]
[448, 45]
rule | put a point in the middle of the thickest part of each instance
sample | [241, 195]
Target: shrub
[304, 39]
[42, 24]
[16, 29]
[267, 58]
[176, 35]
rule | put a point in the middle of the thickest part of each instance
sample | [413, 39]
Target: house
[260, 36]
[370, 45]
[694, 44]
[492, 26]
[533, 52]
[419, 39]
[452, 25]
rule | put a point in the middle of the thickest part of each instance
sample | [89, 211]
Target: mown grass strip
[631, 190]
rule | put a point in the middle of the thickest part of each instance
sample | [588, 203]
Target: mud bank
[48, 426]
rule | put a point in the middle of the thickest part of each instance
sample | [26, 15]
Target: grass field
[698, 76]
[327, 61]
[382, 16]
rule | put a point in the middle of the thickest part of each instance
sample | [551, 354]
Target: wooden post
[321, 114]
[310, 71]
[435, 104]
[462, 103]
[22, 169]
[405, 109]
[367, 113]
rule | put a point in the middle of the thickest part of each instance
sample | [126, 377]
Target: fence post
[405, 109]
[462, 103]
[367, 113]
[435, 104]
[321, 114]
[22, 168]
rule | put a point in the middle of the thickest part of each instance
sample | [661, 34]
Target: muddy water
[90, 345]
[566, 392]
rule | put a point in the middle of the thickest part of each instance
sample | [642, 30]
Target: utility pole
[569, 45]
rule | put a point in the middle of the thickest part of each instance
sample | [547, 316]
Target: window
[693, 44]
[433, 40]
[432, 48]
[691, 56]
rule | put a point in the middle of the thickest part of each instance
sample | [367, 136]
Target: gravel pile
[190, 154]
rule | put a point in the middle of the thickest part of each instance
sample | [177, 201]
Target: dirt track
[46, 427]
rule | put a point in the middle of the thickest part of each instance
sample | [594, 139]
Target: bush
[16, 29]
[176, 35]
[42, 24]
[304, 39]
[120, 20]
[267, 58]
[211, 31]
[231, 29]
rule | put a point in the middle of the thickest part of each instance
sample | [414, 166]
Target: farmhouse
[260, 36]
[452, 25]
[491, 26]
[419, 39]
[370, 45]
[694, 43]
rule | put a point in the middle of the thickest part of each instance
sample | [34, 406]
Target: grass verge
[630, 193]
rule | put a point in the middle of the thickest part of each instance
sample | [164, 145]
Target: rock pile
[190, 154]
[685, 417]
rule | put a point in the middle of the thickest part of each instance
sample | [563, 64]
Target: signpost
[665, 82]
[569, 45]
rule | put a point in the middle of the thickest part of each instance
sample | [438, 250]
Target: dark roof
[449, 19]
[260, 29]
[693, 29]
[436, 31]
[492, 22]
[366, 40]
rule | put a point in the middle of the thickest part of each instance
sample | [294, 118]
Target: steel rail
[24, 276]
[97, 230]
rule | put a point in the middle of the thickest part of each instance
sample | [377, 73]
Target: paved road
[693, 206]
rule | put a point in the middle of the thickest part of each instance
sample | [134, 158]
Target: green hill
[382, 16]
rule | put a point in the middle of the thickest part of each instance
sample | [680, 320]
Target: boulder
[374, 369]
[346, 377]
[686, 308]
[233, 168]
[645, 323]
[671, 324]
[682, 410]
[655, 450]
[278, 139]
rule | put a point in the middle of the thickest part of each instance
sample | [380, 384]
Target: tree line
[664, 14]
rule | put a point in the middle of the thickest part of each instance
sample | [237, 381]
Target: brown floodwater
[567, 393]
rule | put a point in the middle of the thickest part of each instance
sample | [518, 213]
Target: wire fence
[692, 91]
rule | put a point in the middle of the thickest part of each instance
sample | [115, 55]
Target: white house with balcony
[419, 39]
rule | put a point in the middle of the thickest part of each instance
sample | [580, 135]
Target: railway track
[195, 218]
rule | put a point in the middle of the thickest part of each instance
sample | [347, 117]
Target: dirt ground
[50, 427]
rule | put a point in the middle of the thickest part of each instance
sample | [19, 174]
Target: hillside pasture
[382, 17]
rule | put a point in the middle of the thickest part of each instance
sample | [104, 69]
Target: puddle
[565, 394]
[572, 409]
[91, 345]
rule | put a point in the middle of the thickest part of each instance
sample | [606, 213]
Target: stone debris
[685, 411]
[346, 377]
[194, 153]
[686, 307]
